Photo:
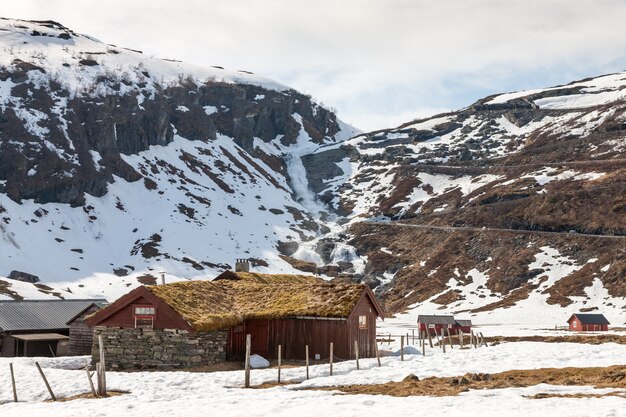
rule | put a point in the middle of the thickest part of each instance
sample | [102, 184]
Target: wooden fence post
[443, 341]
[413, 336]
[101, 370]
[482, 339]
[43, 376]
[423, 346]
[449, 338]
[356, 353]
[408, 341]
[13, 383]
[377, 354]
[461, 338]
[279, 361]
[306, 353]
[246, 383]
[93, 390]
[401, 348]
[430, 339]
[331, 358]
[389, 338]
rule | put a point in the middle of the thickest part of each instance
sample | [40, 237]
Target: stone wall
[127, 348]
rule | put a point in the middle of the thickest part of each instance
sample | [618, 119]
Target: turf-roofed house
[196, 323]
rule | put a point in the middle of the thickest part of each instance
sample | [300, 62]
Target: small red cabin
[435, 323]
[579, 322]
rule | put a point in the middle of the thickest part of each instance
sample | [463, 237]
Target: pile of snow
[258, 362]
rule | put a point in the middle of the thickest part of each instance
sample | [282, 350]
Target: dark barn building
[81, 335]
[38, 327]
[197, 323]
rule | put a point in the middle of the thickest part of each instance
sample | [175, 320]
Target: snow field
[183, 393]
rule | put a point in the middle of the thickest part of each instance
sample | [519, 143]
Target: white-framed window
[449, 326]
[144, 322]
[144, 317]
[575, 324]
[431, 326]
[144, 311]
[362, 322]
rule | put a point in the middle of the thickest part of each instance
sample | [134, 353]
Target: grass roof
[212, 305]
[270, 278]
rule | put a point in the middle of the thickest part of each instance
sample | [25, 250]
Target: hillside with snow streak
[114, 165]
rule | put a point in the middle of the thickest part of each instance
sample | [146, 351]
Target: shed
[583, 322]
[196, 323]
[37, 327]
[434, 323]
[462, 325]
[81, 335]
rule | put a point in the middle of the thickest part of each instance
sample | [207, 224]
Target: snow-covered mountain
[512, 207]
[115, 166]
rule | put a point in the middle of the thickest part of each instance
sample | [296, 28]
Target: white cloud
[372, 60]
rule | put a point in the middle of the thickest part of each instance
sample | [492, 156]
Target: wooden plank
[461, 338]
[443, 343]
[356, 353]
[401, 348]
[279, 361]
[306, 350]
[449, 337]
[413, 336]
[331, 358]
[13, 383]
[93, 389]
[377, 354]
[247, 361]
[45, 380]
[430, 340]
[102, 380]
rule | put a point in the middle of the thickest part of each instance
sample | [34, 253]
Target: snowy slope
[220, 178]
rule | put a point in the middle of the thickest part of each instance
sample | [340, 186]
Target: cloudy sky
[379, 63]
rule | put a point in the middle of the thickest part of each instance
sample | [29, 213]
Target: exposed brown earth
[606, 377]
[592, 340]
[90, 396]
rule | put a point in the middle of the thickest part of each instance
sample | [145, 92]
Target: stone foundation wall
[155, 348]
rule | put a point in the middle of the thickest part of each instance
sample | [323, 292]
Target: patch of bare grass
[606, 377]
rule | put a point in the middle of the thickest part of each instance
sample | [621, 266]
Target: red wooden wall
[293, 334]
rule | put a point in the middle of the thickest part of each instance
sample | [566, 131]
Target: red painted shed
[584, 322]
[435, 323]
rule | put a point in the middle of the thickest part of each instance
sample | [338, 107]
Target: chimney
[242, 265]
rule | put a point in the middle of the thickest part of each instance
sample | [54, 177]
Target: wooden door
[259, 330]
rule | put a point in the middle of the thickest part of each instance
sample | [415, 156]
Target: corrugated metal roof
[592, 318]
[40, 314]
[435, 319]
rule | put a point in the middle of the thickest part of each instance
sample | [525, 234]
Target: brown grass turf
[607, 377]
